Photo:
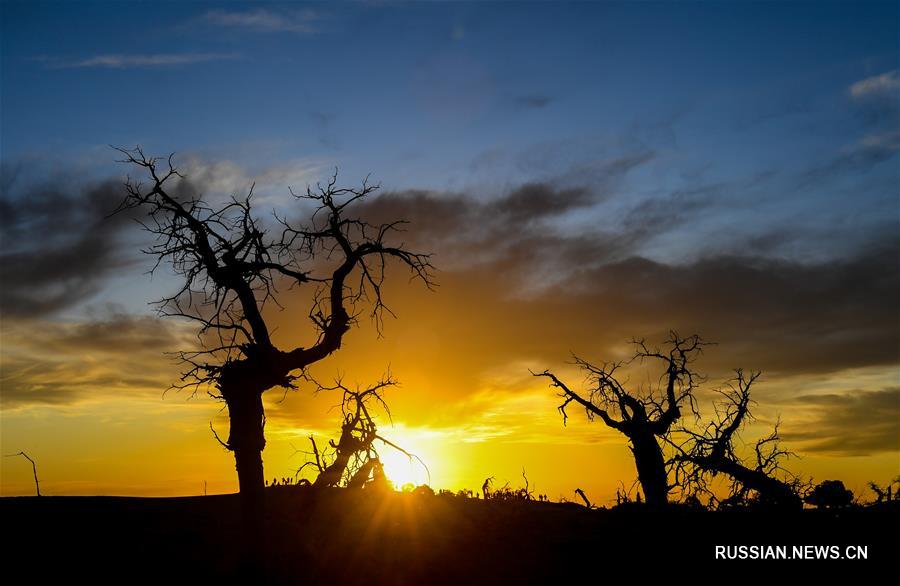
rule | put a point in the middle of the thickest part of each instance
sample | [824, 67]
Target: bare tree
[353, 460]
[645, 416]
[37, 484]
[885, 493]
[231, 270]
[712, 451]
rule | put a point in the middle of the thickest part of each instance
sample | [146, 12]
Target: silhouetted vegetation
[232, 268]
[830, 494]
[37, 484]
[885, 493]
[712, 451]
[645, 416]
[343, 537]
[584, 498]
[506, 492]
[353, 460]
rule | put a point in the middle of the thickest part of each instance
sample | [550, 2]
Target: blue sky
[774, 124]
[444, 95]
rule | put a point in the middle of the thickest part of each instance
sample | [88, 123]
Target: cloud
[888, 142]
[465, 231]
[115, 355]
[536, 286]
[533, 101]
[532, 274]
[303, 21]
[122, 61]
[856, 423]
[215, 181]
[603, 170]
[59, 242]
[877, 100]
[779, 316]
[872, 150]
[878, 85]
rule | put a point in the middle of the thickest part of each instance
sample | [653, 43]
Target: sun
[402, 470]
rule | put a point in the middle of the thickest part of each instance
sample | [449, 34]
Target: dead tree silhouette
[584, 497]
[712, 451]
[232, 269]
[37, 484]
[645, 416]
[354, 461]
[885, 493]
[486, 488]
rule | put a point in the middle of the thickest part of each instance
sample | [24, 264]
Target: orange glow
[467, 405]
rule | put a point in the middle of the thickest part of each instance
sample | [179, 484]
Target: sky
[584, 174]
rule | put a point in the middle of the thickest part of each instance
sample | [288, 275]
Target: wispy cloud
[122, 61]
[877, 85]
[262, 20]
[536, 101]
[855, 423]
[223, 178]
[62, 363]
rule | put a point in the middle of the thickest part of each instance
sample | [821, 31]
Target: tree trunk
[247, 440]
[770, 490]
[361, 477]
[346, 447]
[651, 469]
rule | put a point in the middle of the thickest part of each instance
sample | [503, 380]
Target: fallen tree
[353, 461]
[761, 480]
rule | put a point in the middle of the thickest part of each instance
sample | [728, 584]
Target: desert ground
[336, 536]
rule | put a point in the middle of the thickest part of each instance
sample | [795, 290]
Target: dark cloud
[860, 158]
[604, 174]
[459, 226]
[67, 384]
[114, 355]
[536, 201]
[657, 214]
[588, 289]
[533, 101]
[849, 424]
[117, 332]
[323, 123]
[776, 315]
[59, 242]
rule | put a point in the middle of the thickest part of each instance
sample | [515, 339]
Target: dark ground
[336, 537]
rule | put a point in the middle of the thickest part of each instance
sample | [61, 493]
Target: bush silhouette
[830, 494]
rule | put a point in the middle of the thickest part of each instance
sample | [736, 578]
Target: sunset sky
[584, 173]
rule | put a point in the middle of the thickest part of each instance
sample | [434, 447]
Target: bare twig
[37, 485]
